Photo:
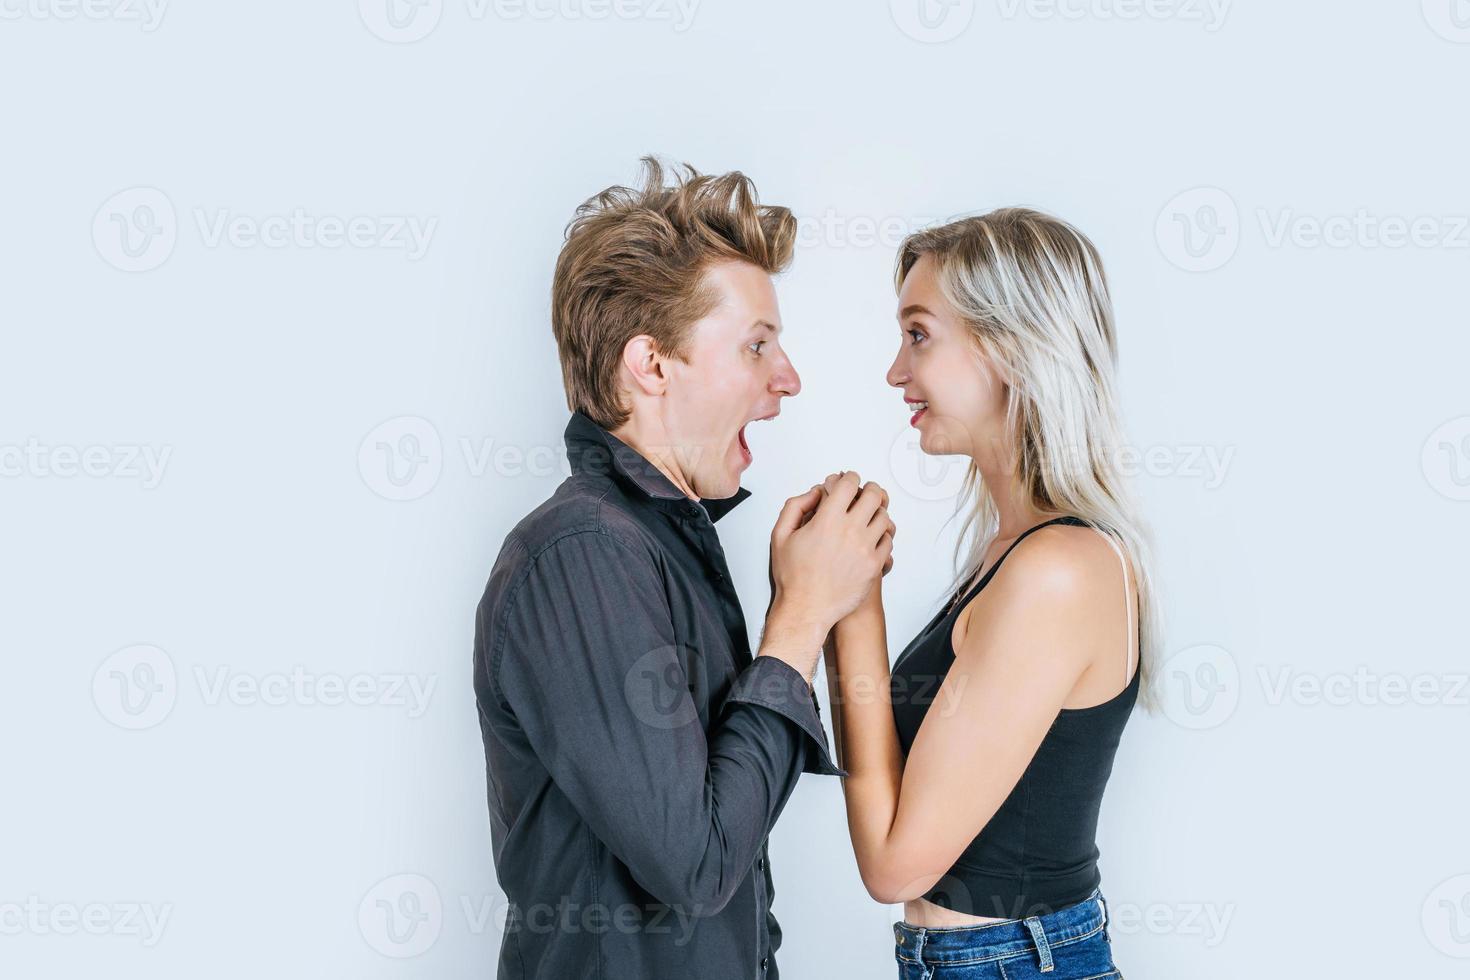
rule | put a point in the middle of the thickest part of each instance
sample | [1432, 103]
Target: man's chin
[719, 487]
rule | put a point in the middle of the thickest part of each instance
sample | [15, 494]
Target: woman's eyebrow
[911, 309]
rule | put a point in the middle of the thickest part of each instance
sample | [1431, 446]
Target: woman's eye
[917, 335]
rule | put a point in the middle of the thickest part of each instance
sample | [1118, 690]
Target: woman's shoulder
[1071, 571]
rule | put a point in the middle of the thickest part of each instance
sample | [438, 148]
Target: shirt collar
[593, 449]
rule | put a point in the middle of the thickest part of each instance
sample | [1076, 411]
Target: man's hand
[831, 481]
[828, 547]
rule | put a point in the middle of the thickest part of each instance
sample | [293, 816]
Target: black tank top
[1039, 852]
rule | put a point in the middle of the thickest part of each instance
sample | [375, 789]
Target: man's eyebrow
[911, 309]
[768, 325]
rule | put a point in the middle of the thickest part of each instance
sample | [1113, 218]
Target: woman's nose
[898, 374]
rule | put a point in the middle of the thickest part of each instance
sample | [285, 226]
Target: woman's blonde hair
[1032, 291]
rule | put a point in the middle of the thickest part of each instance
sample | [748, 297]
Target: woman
[977, 772]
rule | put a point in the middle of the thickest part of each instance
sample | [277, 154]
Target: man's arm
[584, 656]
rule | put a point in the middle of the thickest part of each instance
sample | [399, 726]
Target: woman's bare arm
[1021, 655]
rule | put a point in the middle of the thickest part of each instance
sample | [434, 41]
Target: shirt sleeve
[586, 659]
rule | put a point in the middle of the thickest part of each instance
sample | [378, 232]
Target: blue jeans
[1071, 943]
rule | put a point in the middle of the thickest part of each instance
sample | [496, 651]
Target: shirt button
[760, 864]
[763, 964]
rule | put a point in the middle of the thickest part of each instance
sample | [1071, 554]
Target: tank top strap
[1066, 518]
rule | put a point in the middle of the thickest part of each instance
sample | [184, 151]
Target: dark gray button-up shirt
[637, 755]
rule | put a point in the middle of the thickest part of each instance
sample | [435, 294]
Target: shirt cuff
[774, 684]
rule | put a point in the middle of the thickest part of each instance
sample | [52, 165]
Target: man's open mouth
[745, 446]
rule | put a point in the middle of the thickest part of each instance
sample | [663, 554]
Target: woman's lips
[917, 415]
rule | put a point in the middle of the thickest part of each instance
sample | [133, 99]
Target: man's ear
[643, 366]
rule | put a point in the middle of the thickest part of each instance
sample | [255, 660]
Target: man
[637, 754]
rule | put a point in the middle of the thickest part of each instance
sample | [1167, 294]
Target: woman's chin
[935, 441]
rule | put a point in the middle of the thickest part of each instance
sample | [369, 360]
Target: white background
[1252, 174]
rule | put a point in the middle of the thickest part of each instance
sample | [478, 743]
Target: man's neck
[654, 447]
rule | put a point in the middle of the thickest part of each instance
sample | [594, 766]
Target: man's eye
[756, 347]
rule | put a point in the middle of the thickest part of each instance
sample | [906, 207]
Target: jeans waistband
[1034, 935]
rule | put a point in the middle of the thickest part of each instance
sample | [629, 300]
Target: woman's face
[938, 364]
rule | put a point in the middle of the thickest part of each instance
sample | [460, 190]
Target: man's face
[736, 373]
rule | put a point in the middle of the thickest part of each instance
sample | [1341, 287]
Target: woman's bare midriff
[920, 912]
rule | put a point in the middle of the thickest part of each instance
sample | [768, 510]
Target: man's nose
[786, 381]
